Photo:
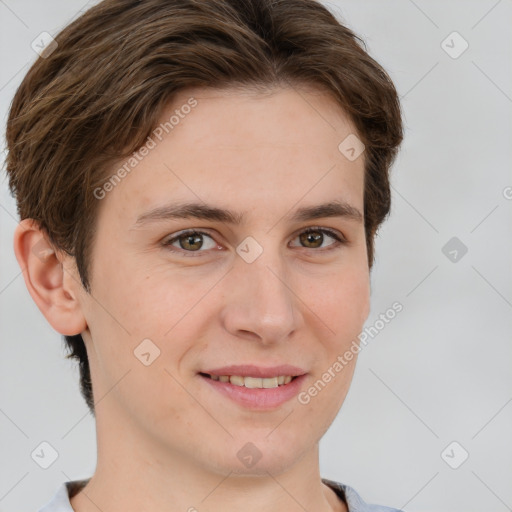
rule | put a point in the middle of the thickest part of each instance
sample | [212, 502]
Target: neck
[133, 475]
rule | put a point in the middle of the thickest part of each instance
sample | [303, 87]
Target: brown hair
[99, 94]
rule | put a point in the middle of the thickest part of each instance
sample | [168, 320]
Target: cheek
[342, 302]
[140, 302]
[136, 363]
[164, 302]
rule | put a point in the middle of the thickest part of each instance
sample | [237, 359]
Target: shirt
[60, 501]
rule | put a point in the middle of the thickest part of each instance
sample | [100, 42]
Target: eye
[189, 241]
[192, 241]
[314, 237]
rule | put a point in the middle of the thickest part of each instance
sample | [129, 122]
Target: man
[199, 186]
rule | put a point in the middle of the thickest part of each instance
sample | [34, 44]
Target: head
[206, 88]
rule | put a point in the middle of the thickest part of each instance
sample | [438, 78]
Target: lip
[249, 370]
[256, 398]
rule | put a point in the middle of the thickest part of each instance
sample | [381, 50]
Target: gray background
[438, 372]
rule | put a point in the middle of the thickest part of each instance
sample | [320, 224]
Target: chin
[260, 454]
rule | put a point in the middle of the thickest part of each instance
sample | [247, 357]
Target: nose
[261, 303]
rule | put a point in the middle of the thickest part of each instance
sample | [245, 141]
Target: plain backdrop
[434, 386]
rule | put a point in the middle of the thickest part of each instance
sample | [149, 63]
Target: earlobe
[51, 286]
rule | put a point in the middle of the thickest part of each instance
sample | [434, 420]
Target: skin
[166, 439]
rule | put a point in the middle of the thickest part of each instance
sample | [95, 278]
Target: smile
[257, 393]
[253, 382]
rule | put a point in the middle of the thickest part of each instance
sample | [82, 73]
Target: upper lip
[249, 370]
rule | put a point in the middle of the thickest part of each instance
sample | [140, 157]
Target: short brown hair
[98, 96]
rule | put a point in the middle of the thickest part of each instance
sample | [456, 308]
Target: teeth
[236, 380]
[254, 382]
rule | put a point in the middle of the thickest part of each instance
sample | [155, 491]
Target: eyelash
[339, 240]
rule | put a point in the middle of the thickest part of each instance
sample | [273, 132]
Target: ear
[51, 285]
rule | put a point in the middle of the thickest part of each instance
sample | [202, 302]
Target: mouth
[252, 382]
[259, 389]
[254, 386]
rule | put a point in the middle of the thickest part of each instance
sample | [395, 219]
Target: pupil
[314, 237]
[190, 240]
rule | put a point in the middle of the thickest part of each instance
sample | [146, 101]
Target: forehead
[284, 114]
[246, 147]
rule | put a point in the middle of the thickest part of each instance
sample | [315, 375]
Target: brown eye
[312, 239]
[189, 241]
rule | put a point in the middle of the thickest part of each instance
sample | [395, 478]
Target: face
[174, 298]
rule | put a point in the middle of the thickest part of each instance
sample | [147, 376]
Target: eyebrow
[204, 211]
